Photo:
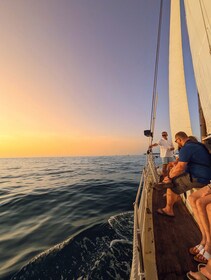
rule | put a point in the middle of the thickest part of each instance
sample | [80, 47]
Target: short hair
[181, 134]
[193, 138]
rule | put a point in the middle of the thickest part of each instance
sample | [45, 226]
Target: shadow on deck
[173, 237]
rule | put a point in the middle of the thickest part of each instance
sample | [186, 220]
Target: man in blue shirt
[192, 171]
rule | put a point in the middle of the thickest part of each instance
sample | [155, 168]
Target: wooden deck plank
[173, 237]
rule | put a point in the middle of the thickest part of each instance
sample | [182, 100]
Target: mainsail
[198, 18]
[178, 104]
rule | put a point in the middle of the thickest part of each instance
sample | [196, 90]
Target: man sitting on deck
[192, 171]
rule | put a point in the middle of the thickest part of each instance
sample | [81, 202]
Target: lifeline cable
[154, 96]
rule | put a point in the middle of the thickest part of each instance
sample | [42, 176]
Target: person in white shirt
[166, 151]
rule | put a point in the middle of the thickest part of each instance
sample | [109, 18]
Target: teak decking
[173, 237]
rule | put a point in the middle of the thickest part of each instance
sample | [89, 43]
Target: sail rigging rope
[205, 27]
[154, 95]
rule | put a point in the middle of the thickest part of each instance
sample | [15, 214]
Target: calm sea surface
[84, 204]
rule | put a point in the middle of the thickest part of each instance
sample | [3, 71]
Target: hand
[166, 180]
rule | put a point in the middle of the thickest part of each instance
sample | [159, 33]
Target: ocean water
[67, 218]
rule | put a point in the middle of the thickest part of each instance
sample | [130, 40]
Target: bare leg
[208, 209]
[192, 199]
[164, 170]
[171, 198]
[202, 205]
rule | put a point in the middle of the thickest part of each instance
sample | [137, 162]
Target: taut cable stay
[150, 133]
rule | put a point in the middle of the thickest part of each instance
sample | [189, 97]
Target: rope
[154, 96]
[205, 24]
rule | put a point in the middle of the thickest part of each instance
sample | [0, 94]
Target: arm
[153, 145]
[178, 169]
[175, 171]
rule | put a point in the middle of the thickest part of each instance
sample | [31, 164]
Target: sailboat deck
[173, 237]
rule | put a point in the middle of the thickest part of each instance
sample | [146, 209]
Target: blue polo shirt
[199, 161]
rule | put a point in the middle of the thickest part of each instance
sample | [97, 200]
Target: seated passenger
[192, 171]
[174, 163]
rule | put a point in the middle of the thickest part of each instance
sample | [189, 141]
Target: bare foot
[196, 275]
[169, 212]
[206, 273]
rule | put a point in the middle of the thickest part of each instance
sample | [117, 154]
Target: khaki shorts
[166, 160]
[183, 183]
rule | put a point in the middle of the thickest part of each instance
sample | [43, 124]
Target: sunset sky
[77, 76]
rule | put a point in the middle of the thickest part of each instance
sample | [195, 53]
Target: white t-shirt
[165, 146]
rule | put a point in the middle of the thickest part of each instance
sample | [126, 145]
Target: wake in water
[103, 251]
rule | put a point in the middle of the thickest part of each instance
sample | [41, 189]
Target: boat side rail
[141, 208]
[151, 163]
[150, 178]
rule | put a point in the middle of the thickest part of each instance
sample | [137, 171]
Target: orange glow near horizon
[54, 145]
[35, 121]
[30, 127]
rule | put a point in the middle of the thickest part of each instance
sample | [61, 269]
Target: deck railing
[141, 209]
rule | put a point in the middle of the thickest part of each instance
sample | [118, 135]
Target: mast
[178, 104]
[203, 128]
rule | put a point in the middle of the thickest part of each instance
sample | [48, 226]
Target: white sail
[198, 18]
[178, 104]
